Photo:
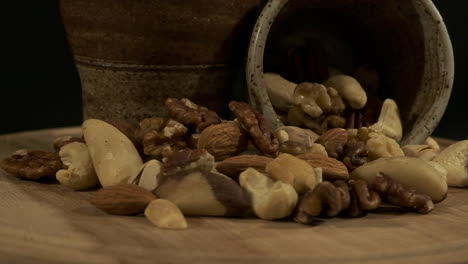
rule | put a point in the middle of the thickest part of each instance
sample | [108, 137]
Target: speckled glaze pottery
[132, 55]
[406, 39]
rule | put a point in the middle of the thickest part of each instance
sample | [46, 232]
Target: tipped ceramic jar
[406, 41]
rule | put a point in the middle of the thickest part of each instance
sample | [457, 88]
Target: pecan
[160, 137]
[255, 124]
[330, 199]
[188, 160]
[397, 194]
[190, 114]
[62, 141]
[32, 164]
[354, 209]
[334, 141]
[324, 199]
[343, 189]
[355, 153]
[369, 200]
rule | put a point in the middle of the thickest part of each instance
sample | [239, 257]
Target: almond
[233, 166]
[332, 169]
[122, 199]
[223, 140]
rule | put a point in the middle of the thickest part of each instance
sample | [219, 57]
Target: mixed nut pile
[346, 162]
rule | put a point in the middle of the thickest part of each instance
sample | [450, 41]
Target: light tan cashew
[292, 170]
[149, 175]
[411, 172]
[424, 152]
[280, 91]
[114, 156]
[381, 146]
[270, 199]
[313, 98]
[79, 173]
[432, 143]
[455, 160]
[389, 122]
[349, 88]
[165, 214]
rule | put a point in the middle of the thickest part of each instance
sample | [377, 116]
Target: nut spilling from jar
[195, 164]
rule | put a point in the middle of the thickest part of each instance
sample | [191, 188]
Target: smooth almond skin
[223, 140]
[233, 166]
[122, 199]
[411, 172]
[455, 160]
[165, 214]
[270, 199]
[332, 169]
[114, 156]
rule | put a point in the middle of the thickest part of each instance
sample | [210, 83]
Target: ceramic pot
[406, 40]
[132, 55]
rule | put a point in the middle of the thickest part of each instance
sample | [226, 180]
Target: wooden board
[48, 223]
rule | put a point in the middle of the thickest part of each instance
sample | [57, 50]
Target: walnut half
[32, 164]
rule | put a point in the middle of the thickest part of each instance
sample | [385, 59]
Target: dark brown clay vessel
[132, 55]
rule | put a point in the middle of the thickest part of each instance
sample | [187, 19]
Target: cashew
[432, 143]
[389, 122]
[280, 91]
[381, 146]
[79, 173]
[165, 214]
[424, 152]
[292, 170]
[349, 88]
[114, 156]
[270, 199]
[411, 172]
[313, 99]
[455, 160]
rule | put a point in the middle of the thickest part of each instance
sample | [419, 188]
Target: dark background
[41, 87]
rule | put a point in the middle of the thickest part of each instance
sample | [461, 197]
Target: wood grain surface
[44, 222]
